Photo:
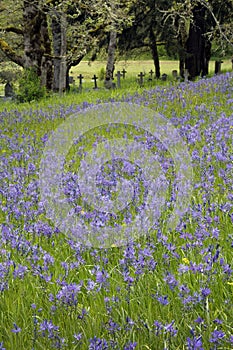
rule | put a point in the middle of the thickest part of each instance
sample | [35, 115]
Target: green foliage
[30, 88]
[102, 74]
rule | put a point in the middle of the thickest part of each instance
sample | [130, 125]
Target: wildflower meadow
[152, 286]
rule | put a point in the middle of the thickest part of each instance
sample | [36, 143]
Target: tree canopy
[51, 36]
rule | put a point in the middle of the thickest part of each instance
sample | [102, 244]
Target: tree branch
[208, 7]
[13, 30]
[10, 53]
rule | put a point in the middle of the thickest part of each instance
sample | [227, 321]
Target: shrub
[102, 74]
[30, 86]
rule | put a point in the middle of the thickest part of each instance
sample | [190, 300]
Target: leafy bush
[30, 86]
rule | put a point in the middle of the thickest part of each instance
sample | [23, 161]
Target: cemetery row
[141, 78]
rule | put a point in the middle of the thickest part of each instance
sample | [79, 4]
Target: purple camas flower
[170, 329]
[101, 276]
[171, 281]
[68, 293]
[205, 292]
[113, 327]
[98, 344]
[163, 299]
[16, 329]
[1, 346]
[77, 337]
[158, 327]
[20, 271]
[129, 323]
[48, 328]
[130, 346]
[194, 343]
[217, 336]
[199, 320]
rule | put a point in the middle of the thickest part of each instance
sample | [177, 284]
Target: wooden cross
[80, 77]
[141, 75]
[123, 73]
[95, 81]
[118, 75]
[151, 74]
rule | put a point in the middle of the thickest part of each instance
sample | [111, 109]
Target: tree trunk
[182, 27]
[155, 55]
[111, 60]
[33, 52]
[46, 64]
[56, 34]
[59, 50]
[181, 66]
[198, 47]
[63, 51]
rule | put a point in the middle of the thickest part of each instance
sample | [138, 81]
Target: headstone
[9, 90]
[95, 81]
[141, 76]
[217, 69]
[164, 77]
[123, 73]
[186, 75]
[118, 75]
[174, 74]
[71, 80]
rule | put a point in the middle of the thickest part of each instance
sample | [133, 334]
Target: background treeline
[49, 37]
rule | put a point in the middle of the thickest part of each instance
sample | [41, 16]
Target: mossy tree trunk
[33, 51]
[37, 44]
[59, 50]
[111, 60]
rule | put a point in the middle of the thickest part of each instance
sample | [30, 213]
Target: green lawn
[134, 67]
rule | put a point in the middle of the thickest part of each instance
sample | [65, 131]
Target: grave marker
[123, 73]
[164, 77]
[95, 81]
[118, 75]
[174, 74]
[141, 76]
[8, 90]
[80, 77]
[151, 75]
